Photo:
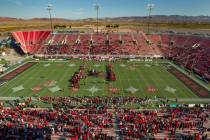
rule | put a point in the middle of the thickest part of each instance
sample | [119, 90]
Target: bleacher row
[44, 42]
[30, 41]
[97, 122]
[191, 52]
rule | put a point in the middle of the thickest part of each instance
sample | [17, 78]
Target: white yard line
[120, 81]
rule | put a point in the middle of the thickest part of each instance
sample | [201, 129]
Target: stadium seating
[99, 45]
[43, 42]
[190, 52]
[150, 124]
[31, 41]
[95, 119]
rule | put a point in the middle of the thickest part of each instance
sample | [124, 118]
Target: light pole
[49, 9]
[150, 7]
[97, 8]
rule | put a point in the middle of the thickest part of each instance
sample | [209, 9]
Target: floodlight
[150, 7]
[49, 9]
[97, 8]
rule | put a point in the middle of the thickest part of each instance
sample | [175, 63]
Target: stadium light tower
[150, 7]
[49, 9]
[97, 8]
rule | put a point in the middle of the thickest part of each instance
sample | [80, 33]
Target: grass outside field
[133, 76]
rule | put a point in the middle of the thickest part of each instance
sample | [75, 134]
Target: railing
[97, 56]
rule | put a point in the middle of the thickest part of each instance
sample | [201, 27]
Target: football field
[142, 79]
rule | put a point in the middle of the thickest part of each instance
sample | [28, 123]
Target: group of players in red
[110, 73]
[77, 77]
[81, 74]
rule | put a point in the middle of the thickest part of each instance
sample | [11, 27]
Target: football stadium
[96, 79]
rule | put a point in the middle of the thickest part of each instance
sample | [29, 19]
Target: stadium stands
[31, 41]
[150, 124]
[95, 120]
[44, 42]
[190, 52]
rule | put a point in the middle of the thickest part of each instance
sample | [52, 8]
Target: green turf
[136, 75]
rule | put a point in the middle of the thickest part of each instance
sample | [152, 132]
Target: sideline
[190, 76]
[14, 69]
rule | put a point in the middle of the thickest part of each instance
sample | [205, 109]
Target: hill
[155, 18]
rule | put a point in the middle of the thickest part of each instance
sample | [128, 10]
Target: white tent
[2, 69]
[3, 53]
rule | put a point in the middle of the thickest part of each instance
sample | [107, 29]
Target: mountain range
[154, 18]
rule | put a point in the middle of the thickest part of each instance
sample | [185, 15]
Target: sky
[80, 9]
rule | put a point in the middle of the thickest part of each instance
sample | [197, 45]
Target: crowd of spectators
[98, 102]
[102, 123]
[180, 123]
[16, 123]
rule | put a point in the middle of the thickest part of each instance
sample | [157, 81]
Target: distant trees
[4, 62]
[112, 26]
[61, 27]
